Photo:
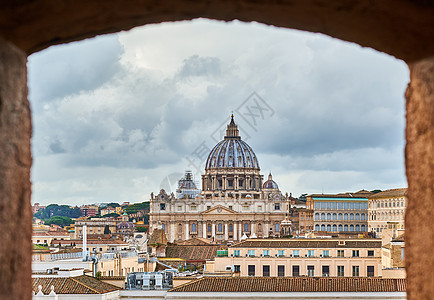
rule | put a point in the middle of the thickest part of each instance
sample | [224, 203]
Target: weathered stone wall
[419, 162]
[402, 28]
[15, 163]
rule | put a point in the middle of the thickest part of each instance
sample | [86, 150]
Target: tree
[58, 220]
[53, 210]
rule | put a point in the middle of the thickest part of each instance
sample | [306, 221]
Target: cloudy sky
[119, 116]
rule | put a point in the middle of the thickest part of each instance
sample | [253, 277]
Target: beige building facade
[234, 201]
[301, 257]
[385, 207]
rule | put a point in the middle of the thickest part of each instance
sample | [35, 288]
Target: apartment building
[301, 257]
[346, 212]
[385, 207]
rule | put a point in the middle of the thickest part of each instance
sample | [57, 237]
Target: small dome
[125, 225]
[270, 184]
[232, 152]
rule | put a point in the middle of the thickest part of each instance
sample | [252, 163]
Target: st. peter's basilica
[234, 201]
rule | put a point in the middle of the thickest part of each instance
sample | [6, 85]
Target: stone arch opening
[403, 29]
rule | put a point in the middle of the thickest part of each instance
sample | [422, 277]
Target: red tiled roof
[50, 233]
[293, 284]
[194, 252]
[389, 193]
[72, 285]
[308, 243]
[158, 236]
[91, 242]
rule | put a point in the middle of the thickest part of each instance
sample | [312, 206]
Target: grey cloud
[69, 69]
[200, 66]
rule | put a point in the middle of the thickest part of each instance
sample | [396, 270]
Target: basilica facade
[234, 202]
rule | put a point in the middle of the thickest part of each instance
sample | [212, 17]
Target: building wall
[382, 210]
[336, 214]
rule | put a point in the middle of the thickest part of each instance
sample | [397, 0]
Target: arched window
[316, 216]
[363, 228]
[323, 216]
[219, 227]
[363, 216]
[276, 227]
[357, 216]
[357, 228]
[329, 216]
[351, 227]
[316, 227]
[163, 226]
[335, 228]
[346, 228]
[335, 216]
[329, 227]
[231, 228]
[179, 227]
[351, 216]
[340, 216]
[209, 228]
[193, 227]
[340, 228]
[322, 227]
[345, 216]
[246, 226]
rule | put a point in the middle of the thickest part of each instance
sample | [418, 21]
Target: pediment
[219, 209]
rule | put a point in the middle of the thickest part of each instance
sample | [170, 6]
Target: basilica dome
[232, 152]
[270, 184]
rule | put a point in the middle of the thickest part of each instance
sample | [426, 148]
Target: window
[193, 227]
[231, 228]
[310, 271]
[370, 271]
[246, 207]
[251, 252]
[231, 183]
[325, 271]
[356, 272]
[280, 252]
[370, 252]
[208, 207]
[295, 271]
[277, 206]
[317, 216]
[323, 216]
[341, 271]
[340, 216]
[236, 252]
[193, 207]
[402, 253]
[265, 252]
[266, 270]
[355, 253]
[340, 253]
[230, 207]
[310, 253]
[280, 271]
[335, 228]
[276, 227]
[162, 206]
[296, 253]
[335, 216]
[237, 268]
[251, 270]
[220, 227]
[329, 216]
[326, 253]
[246, 226]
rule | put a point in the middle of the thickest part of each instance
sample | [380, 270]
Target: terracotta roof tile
[306, 243]
[293, 284]
[193, 252]
[158, 236]
[389, 193]
[72, 285]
